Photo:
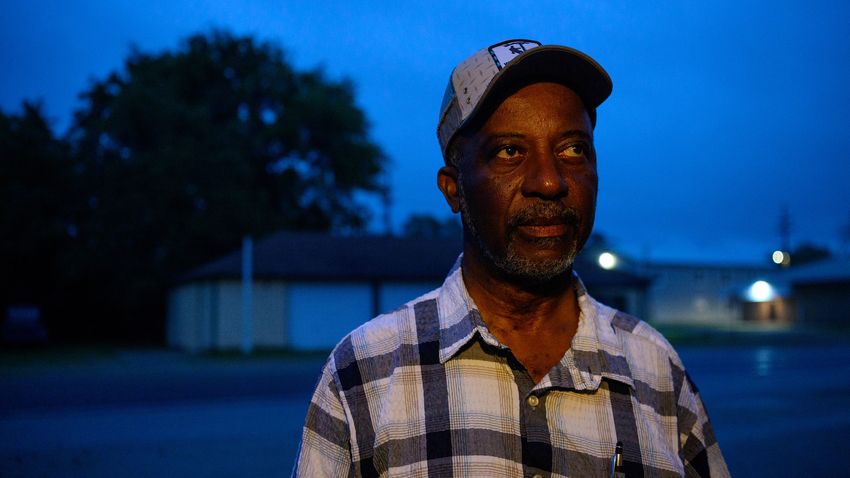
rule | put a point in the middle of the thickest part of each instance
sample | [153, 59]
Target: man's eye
[575, 151]
[507, 152]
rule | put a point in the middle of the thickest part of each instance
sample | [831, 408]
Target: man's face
[526, 184]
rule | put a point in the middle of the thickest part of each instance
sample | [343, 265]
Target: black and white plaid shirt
[428, 391]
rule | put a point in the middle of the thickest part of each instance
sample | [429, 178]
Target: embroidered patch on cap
[505, 52]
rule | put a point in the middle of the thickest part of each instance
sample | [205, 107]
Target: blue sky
[722, 112]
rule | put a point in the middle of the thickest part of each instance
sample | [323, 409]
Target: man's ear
[447, 182]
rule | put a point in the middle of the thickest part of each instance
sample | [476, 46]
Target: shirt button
[533, 401]
[537, 476]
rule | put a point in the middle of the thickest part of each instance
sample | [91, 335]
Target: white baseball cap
[481, 77]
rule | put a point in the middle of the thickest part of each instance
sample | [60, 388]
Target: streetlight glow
[761, 291]
[607, 261]
[781, 258]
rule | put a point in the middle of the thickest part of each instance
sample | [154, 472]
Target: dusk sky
[722, 112]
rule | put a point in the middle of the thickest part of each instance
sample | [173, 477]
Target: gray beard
[511, 263]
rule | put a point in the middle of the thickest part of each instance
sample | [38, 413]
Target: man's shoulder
[637, 335]
[383, 334]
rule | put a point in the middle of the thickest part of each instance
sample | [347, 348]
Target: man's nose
[543, 178]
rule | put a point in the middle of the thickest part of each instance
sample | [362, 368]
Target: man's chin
[529, 261]
[535, 270]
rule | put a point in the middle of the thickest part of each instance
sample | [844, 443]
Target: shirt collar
[596, 351]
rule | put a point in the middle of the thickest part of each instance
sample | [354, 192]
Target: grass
[748, 336]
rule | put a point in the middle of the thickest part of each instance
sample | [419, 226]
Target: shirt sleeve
[698, 448]
[325, 443]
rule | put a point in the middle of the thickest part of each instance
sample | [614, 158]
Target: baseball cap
[480, 79]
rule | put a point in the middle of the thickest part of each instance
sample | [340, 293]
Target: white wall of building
[301, 315]
[322, 313]
[697, 294]
[207, 315]
[271, 327]
[190, 309]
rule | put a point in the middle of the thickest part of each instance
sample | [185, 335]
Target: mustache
[544, 213]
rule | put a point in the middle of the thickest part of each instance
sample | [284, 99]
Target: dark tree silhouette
[180, 154]
[38, 200]
[808, 252]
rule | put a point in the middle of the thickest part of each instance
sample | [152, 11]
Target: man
[511, 368]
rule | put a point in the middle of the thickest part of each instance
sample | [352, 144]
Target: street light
[781, 258]
[761, 291]
[607, 261]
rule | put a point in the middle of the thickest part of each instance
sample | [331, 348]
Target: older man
[511, 368]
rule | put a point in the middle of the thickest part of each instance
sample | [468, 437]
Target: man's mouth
[545, 221]
[541, 231]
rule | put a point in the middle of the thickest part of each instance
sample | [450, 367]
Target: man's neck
[537, 322]
[508, 303]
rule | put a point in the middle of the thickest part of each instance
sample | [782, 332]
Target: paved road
[153, 413]
[778, 411]
[150, 377]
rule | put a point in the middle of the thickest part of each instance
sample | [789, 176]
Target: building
[698, 294]
[307, 290]
[822, 293]
[816, 294]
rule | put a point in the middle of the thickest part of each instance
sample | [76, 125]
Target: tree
[808, 252]
[38, 200]
[182, 153]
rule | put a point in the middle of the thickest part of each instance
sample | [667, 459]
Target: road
[154, 413]
[778, 410]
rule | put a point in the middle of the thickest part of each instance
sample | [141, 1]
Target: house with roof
[304, 290]
[815, 294]
[698, 293]
[822, 292]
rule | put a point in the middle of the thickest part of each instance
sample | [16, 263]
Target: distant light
[761, 291]
[781, 258]
[607, 261]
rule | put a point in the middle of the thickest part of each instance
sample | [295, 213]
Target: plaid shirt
[428, 391]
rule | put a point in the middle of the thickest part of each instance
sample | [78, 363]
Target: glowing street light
[761, 291]
[781, 258]
[607, 261]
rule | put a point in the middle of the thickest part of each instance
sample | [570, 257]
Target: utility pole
[785, 229]
[247, 311]
[782, 256]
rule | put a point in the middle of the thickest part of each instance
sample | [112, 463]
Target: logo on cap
[503, 53]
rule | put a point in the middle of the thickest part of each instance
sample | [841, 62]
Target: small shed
[307, 290]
